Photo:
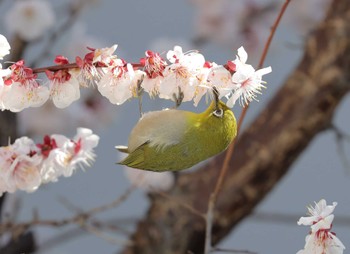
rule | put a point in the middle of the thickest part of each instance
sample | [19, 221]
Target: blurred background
[217, 29]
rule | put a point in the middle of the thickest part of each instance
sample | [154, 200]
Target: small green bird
[171, 140]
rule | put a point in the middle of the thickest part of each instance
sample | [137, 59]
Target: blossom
[321, 240]
[180, 76]
[104, 56]
[120, 82]
[54, 152]
[212, 75]
[89, 75]
[3, 88]
[153, 66]
[4, 50]
[63, 155]
[247, 81]
[75, 152]
[22, 96]
[151, 85]
[317, 213]
[64, 85]
[19, 166]
[4, 47]
[30, 19]
[25, 165]
[22, 90]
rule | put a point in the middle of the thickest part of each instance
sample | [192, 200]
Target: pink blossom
[22, 90]
[104, 56]
[153, 64]
[181, 75]
[247, 82]
[19, 166]
[64, 85]
[317, 213]
[75, 152]
[89, 74]
[26, 165]
[119, 82]
[321, 240]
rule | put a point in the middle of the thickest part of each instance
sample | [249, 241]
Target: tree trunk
[302, 108]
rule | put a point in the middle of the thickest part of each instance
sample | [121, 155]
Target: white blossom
[119, 83]
[321, 240]
[19, 168]
[4, 47]
[216, 76]
[30, 19]
[26, 165]
[247, 81]
[64, 92]
[19, 96]
[180, 76]
[104, 55]
[317, 213]
[75, 152]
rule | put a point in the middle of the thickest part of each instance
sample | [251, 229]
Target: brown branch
[302, 108]
[56, 67]
[68, 66]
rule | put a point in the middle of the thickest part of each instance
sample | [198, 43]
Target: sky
[136, 26]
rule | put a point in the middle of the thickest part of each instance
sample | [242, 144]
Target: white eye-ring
[219, 112]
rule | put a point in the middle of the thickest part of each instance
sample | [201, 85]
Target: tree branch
[302, 108]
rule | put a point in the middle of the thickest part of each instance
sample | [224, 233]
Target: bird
[173, 140]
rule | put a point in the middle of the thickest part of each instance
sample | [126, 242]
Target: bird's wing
[136, 158]
[159, 128]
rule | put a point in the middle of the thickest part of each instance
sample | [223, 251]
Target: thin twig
[100, 234]
[113, 225]
[79, 219]
[223, 172]
[68, 66]
[56, 67]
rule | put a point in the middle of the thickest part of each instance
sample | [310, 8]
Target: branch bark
[302, 108]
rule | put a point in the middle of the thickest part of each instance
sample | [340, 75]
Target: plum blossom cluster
[25, 165]
[184, 77]
[321, 239]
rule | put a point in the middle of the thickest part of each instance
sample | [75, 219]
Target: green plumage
[175, 139]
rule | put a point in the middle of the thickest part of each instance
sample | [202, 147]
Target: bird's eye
[218, 112]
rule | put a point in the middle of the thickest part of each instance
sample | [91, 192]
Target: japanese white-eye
[171, 140]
